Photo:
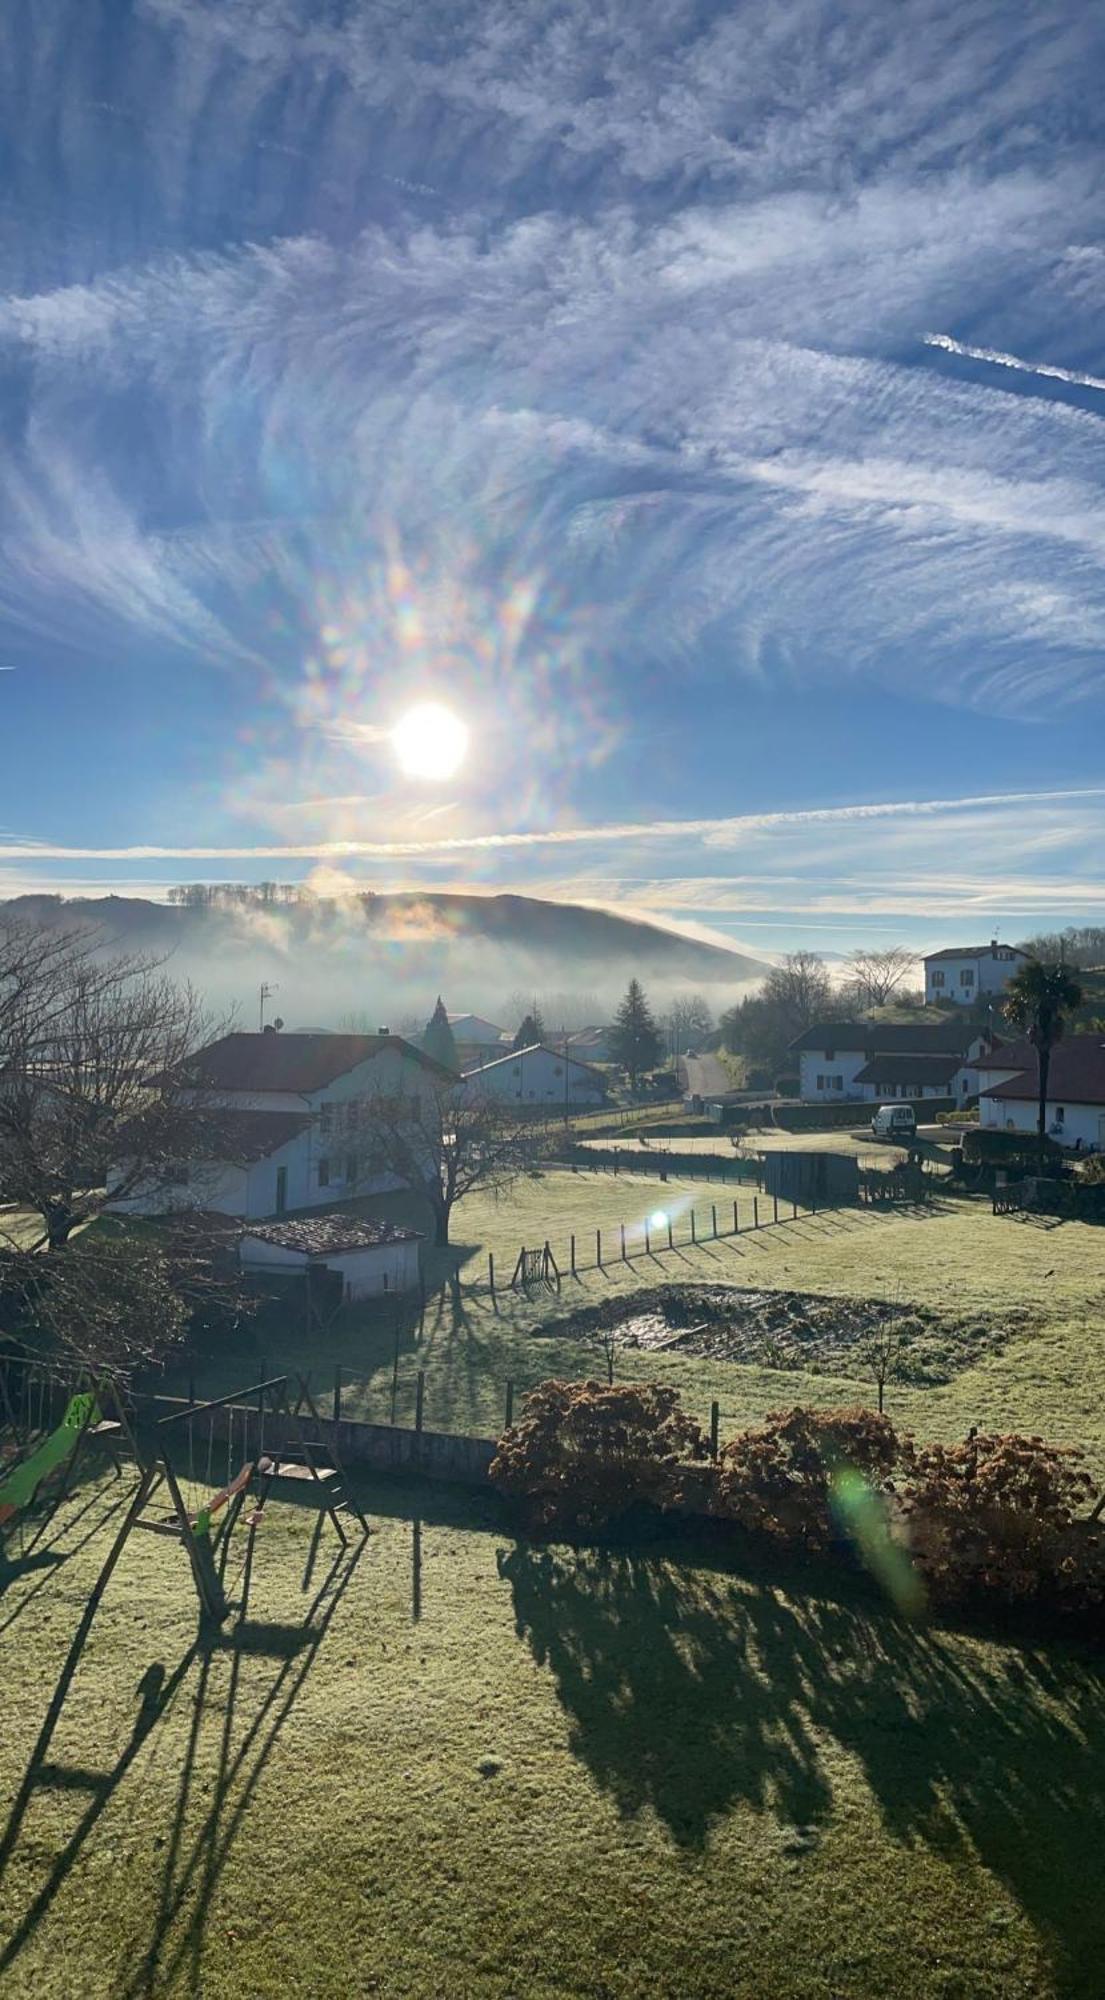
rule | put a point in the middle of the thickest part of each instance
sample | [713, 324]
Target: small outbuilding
[369, 1257]
[822, 1178]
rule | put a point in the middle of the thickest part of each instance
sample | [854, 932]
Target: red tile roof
[1076, 1076]
[299, 1063]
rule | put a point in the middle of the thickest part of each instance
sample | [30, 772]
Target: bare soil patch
[791, 1330]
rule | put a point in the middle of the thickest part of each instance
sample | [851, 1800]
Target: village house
[539, 1078]
[965, 973]
[876, 1062]
[289, 1110]
[1075, 1110]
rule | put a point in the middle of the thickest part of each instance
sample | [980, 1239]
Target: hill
[392, 952]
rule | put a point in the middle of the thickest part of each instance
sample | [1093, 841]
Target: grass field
[953, 1256]
[467, 1766]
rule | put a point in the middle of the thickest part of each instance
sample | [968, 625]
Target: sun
[430, 741]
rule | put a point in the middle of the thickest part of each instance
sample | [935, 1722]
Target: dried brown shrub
[585, 1452]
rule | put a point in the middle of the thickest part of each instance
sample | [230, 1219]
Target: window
[838, 1083]
[325, 1113]
[967, 977]
[324, 1173]
[820, 1083]
[830, 1055]
[1060, 1114]
[558, 1070]
[937, 978]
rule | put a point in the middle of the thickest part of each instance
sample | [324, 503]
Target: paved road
[704, 1076]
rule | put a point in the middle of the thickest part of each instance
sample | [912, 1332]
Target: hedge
[834, 1117]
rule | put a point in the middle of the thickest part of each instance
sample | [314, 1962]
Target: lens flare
[658, 1219]
[429, 741]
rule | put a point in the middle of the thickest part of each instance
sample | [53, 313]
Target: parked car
[894, 1121]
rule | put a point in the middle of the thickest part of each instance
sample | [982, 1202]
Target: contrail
[712, 831]
[1000, 360]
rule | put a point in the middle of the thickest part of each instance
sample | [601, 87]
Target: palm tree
[1037, 999]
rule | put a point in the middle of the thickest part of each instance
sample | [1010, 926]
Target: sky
[706, 403]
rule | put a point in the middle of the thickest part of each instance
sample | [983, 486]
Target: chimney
[993, 947]
[383, 1031]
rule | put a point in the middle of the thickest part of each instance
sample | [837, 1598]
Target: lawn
[953, 1256]
[467, 1765]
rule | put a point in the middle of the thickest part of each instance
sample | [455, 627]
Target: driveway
[704, 1076]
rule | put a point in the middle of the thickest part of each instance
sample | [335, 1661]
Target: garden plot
[793, 1330]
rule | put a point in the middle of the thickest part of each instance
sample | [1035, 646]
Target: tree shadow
[691, 1691]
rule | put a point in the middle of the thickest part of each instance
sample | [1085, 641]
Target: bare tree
[446, 1142]
[688, 1020]
[93, 1056]
[884, 1349]
[875, 975]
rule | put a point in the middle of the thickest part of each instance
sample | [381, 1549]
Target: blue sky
[708, 403]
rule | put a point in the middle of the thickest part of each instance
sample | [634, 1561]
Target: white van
[894, 1121]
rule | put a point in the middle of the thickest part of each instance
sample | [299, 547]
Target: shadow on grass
[691, 1691]
[187, 1877]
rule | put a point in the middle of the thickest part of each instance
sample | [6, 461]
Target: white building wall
[988, 971]
[367, 1272]
[536, 1077]
[1085, 1122]
[218, 1187]
[819, 1069]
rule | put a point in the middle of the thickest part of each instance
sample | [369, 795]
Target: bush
[999, 1515]
[776, 1480]
[1012, 1150]
[788, 1086]
[584, 1453]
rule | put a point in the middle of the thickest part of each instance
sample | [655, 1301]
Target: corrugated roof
[1076, 1074]
[328, 1234]
[299, 1063]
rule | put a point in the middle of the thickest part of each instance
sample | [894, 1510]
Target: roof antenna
[264, 993]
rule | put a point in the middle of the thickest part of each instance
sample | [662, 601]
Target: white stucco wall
[842, 1063]
[992, 968]
[1017, 1114]
[536, 1077]
[367, 1272]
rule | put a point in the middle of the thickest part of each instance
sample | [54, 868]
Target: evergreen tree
[636, 1042]
[438, 1040]
[531, 1031]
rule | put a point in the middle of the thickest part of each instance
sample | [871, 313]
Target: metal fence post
[509, 1404]
[713, 1212]
[337, 1394]
[715, 1420]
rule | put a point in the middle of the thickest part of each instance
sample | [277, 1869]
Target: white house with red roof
[292, 1136]
[1075, 1111]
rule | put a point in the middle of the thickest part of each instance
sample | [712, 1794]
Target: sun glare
[430, 741]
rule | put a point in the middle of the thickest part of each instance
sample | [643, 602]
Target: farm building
[538, 1079]
[369, 1257]
[822, 1178]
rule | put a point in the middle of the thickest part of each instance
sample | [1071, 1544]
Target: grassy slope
[706, 1785]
